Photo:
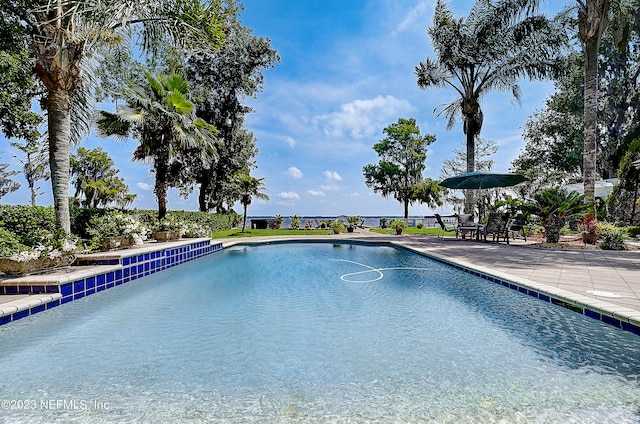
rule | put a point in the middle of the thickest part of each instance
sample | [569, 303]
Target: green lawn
[425, 231]
[289, 232]
[236, 232]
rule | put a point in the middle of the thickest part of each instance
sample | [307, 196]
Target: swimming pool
[316, 332]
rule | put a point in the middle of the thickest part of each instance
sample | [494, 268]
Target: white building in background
[603, 187]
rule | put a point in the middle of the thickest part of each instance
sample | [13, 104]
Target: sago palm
[499, 43]
[162, 118]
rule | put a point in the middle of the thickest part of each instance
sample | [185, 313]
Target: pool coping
[109, 269]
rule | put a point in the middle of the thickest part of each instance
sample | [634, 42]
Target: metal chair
[443, 227]
[466, 225]
[498, 226]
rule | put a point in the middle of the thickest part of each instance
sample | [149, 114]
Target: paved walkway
[608, 280]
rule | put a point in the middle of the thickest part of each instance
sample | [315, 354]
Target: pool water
[316, 332]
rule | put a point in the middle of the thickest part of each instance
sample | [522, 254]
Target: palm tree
[249, 187]
[163, 120]
[499, 43]
[592, 21]
[67, 35]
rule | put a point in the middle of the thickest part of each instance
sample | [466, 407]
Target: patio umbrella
[480, 180]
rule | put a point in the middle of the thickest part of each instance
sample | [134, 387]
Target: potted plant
[553, 206]
[383, 223]
[168, 229]
[295, 222]
[114, 230]
[589, 228]
[399, 225]
[194, 230]
[325, 223]
[337, 226]
[278, 220]
[352, 221]
[51, 250]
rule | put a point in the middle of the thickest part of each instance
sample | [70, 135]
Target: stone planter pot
[166, 235]
[12, 267]
[398, 230]
[109, 243]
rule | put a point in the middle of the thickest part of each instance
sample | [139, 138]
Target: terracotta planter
[398, 230]
[589, 238]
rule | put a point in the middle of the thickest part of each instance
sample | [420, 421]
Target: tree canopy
[161, 117]
[499, 43]
[403, 155]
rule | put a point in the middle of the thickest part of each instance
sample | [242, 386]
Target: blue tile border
[133, 267]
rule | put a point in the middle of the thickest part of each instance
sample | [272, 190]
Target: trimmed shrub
[27, 222]
[611, 237]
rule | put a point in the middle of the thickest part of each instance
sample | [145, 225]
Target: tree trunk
[593, 17]
[244, 219]
[590, 119]
[59, 128]
[471, 163]
[406, 209]
[205, 188]
[162, 171]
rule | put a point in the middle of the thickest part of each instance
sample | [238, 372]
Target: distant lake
[369, 221]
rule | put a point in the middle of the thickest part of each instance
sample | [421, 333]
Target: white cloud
[291, 142]
[332, 176]
[295, 172]
[417, 12]
[288, 195]
[330, 187]
[144, 186]
[363, 118]
[316, 193]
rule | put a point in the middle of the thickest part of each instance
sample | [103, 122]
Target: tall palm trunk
[161, 186]
[471, 164]
[161, 195]
[58, 58]
[472, 125]
[593, 17]
[59, 128]
[590, 119]
[244, 216]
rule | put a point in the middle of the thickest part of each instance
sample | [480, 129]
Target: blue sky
[346, 72]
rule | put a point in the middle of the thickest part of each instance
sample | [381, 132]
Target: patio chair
[517, 225]
[498, 226]
[466, 225]
[443, 227]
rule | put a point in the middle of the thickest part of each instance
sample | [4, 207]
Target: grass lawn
[236, 232]
[425, 231]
